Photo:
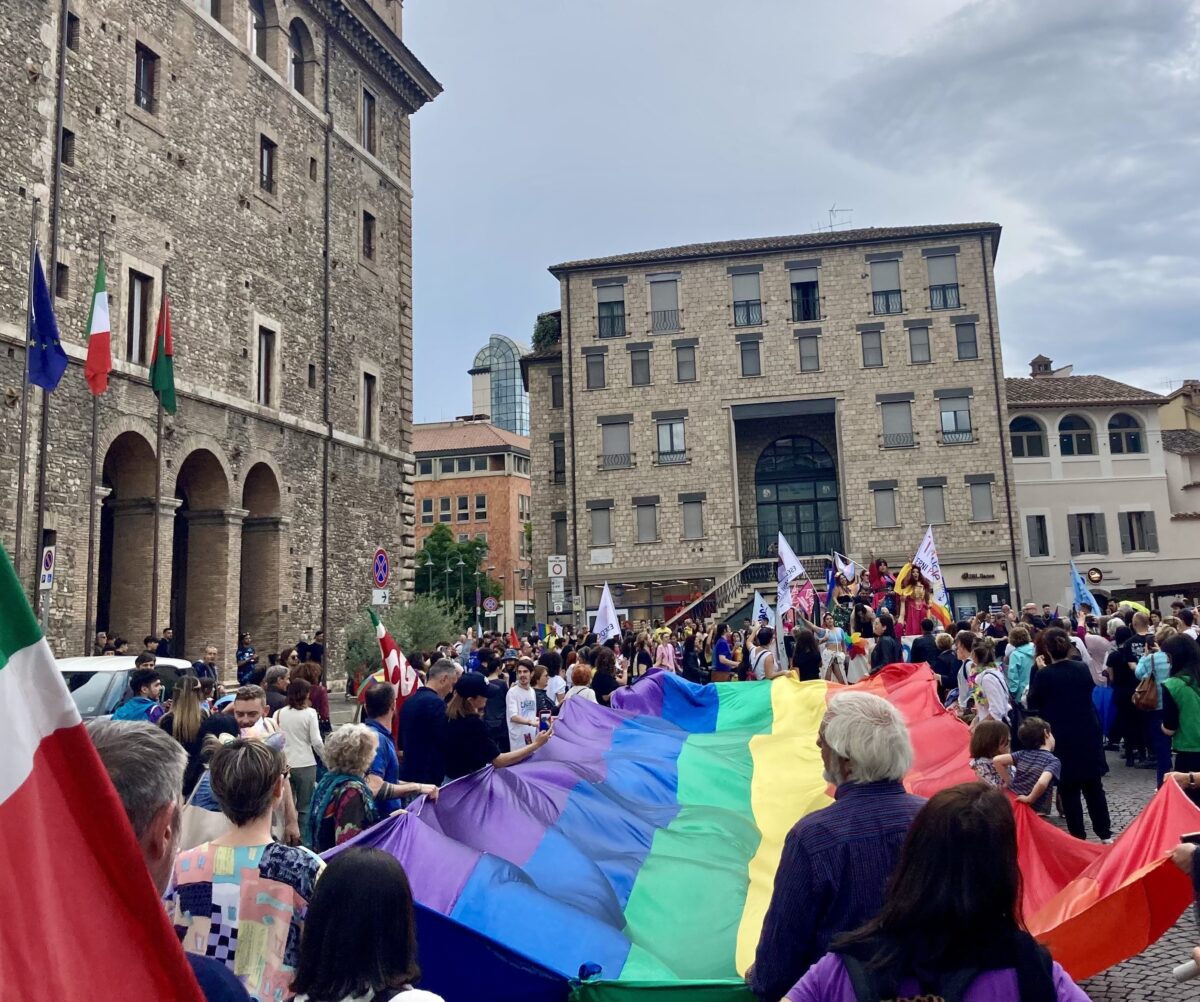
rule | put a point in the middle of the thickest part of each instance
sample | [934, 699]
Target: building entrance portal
[796, 493]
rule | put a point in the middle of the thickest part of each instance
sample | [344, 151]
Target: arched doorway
[262, 542]
[200, 554]
[123, 597]
[796, 492]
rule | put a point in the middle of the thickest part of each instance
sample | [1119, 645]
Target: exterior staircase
[727, 596]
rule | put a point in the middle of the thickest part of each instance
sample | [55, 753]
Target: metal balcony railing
[613, 326]
[558, 476]
[957, 437]
[615, 460]
[671, 458]
[899, 439]
[747, 313]
[664, 320]
[943, 297]
[889, 301]
[805, 308]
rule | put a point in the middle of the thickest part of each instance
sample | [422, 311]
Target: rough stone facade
[271, 503]
[729, 415]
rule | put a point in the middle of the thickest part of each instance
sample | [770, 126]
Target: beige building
[1180, 410]
[843, 388]
[1099, 481]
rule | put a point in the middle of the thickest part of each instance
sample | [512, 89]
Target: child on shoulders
[990, 742]
[1035, 767]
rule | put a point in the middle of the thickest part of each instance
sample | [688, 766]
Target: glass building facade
[496, 378]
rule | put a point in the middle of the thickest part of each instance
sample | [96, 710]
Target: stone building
[473, 477]
[253, 157]
[842, 387]
[1099, 481]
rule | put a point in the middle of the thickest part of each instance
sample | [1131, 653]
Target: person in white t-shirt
[557, 685]
[520, 706]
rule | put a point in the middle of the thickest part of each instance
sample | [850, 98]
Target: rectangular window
[981, 503]
[918, 345]
[647, 523]
[639, 367]
[312, 168]
[137, 323]
[68, 148]
[72, 31]
[369, 431]
[614, 446]
[601, 519]
[266, 164]
[523, 507]
[425, 467]
[447, 465]
[265, 391]
[463, 505]
[1088, 533]
[62, 280]
[897, 425]
[443, 509]
[671, 448]
[806, 299]
[747, 301]
[559, 523]
[426, 511]
[481, 512]
[464, 537]
[366, 126]
[479, 464]
[933, 502]
[145, 78]
[751, 359]
[556, 389]
[693, 519]
[558, 461]
[872, 349]
[664, 305]
[463, 464]
[308, 580]
[1138, 531]
[810, 353]
[256, 31]
[368, 236]
[943, 282]
[312, 376]
[964, 338]
[885, 287]
[1035, 532]
[595, 371]
[956, 420]
[610, 310]
[685, 365]
[885, 508]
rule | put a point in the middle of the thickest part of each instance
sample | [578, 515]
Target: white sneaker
[1107, 841]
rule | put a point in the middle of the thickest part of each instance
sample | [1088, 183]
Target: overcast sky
[578, 128]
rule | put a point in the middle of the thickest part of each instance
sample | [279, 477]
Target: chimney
[1041, 366]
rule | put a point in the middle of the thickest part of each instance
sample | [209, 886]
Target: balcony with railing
[898, 439]
[957, 437]
[747, 313]
[888, 301]
[662, 321]
[674, 457]
[760, 543]
[558, 476]
[944, 297]
[615, 460]
[611, 326]
[143, 97]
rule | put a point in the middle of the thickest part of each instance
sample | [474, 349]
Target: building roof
[800, 241]
[443, 437]
[1181, 441]
[1091, 391]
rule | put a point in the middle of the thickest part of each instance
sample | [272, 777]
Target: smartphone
[1192, 838]
[544, 721]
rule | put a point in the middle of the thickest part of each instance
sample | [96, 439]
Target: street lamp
[461, 595]
[448, 568]
[429, 565]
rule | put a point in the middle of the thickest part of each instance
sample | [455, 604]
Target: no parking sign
[381, 568]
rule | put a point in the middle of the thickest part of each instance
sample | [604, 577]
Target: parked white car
[99, 685]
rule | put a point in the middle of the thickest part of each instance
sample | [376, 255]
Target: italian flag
[82, 913]
[99, 348]
[162, 361]
[396, 670]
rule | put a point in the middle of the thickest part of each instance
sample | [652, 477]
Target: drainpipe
[569, 369]
[1013, 575]
[325, 306]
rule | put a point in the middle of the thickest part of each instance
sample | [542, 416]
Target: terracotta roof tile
[1183, 442]
[800, 241]
[1054, 391]
[451, 436]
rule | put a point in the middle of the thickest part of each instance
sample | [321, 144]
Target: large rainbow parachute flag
[640, 845]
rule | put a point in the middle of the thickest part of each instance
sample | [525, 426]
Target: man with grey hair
[275, 682]
[146, 767]
[423, 725]
[836, 861]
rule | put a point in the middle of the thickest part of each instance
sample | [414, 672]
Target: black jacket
[924, 648]
[887, 650]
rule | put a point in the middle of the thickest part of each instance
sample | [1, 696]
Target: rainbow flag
[641, 844]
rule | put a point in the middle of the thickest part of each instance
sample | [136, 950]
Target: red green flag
[99, 337]
[162, 363]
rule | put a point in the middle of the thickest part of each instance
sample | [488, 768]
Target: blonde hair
[186, 712]
[350, 749]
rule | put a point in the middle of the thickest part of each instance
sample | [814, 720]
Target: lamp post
[461, 594]
[448, 569]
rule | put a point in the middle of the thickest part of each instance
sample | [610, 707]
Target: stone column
[261, 579]
[213, 569]
[132, 558]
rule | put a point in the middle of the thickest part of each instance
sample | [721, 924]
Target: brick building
[254, 157]
[845, 388]
[473, 477]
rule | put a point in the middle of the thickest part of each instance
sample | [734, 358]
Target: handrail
[756, 571]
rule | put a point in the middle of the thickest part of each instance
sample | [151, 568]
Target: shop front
[976, 587]
[645, 603]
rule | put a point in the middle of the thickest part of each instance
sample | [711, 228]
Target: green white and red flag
[162, 361]
[99, 337]
[82, 913]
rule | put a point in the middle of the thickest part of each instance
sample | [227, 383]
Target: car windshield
[89, 689]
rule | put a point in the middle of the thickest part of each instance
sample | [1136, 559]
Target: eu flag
[47, 360]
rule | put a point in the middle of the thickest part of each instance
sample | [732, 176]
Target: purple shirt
[827, 981]
[831, 878]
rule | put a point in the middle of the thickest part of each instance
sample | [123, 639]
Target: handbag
[1145, 696]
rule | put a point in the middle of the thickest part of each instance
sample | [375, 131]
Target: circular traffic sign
[490, 604]
[381, 568]
[48, 560]
[558, 569]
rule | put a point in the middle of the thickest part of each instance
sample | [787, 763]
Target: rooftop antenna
[834, 222]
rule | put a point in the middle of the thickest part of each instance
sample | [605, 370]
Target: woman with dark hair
[609, 677]
[762, 656]
[692, 670]
[1124, 683]
[806, 656]
[951, 925]
[303, 744]
[1181, 707]
[349, 953]
[723, 664]
[887, 649]
[469, 747]
[1061, 694]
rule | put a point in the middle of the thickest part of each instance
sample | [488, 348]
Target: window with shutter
[885, 287]
[806, 299]
[1099, 532]
[934, 503]
[981, 503]
[610, 310]
[614, 444]
[601, 527]
[664, 305]
[918, 345]
[1073, 532]
[897, 425]
[1035, 531]
[1151, 529]
[693, 520]
[747, 301]
[943, 282]
[647, 523]
[885, 509]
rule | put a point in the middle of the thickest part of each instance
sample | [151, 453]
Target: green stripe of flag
[18, 625]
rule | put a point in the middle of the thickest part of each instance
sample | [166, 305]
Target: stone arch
[187, 448]
[262, 550]
[124, 593]
[300, 70]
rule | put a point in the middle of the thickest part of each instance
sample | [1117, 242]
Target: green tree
[439, 552]
[419, 625]
[547, 330]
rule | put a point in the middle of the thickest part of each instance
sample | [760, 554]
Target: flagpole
[24, 456]
[89, 607]
[158, 439]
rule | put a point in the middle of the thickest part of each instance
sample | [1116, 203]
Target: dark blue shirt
[386, 765]
[216, 981]
[831, 878]
[423, 730]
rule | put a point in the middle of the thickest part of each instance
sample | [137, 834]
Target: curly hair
[350, 749]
